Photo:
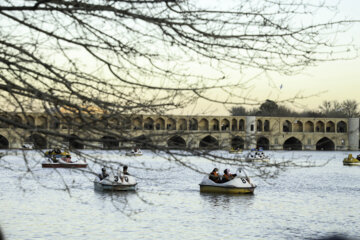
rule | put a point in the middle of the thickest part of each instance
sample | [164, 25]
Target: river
[300, 203]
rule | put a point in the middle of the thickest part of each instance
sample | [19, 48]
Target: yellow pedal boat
[351, 161]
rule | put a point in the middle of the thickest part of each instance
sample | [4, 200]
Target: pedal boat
[134, 154]
[351, 161]
[114, 183]
[235, 151]
[256, 157]
[62, 162]
[239, 185]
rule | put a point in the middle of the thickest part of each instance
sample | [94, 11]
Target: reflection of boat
[116, 183]
[351, 161]
[63, 164]
[240, 184]
[256, 156]
[136, 152]
[2, 154]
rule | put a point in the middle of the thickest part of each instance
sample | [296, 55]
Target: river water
[300, 203]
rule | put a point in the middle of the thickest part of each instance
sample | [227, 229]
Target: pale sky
[338, 80]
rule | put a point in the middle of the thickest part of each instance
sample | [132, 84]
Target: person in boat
[57, 151]
[358, 157]
[125, 170]
[103, 174]
[67, 158]
[228, 176]
[214, 175]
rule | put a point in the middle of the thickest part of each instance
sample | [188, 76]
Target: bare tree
[99, 60]
[349, 108]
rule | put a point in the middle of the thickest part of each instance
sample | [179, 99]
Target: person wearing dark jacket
[214, 175]
[228, 176]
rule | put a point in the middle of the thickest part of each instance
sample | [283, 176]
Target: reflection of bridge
[192, 132]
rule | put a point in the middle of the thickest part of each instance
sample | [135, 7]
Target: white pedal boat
[116, 183]
[238, 185]
[256, 157]
[63, 164]
[133, 153]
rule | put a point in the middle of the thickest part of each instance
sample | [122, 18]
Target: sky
[331, 81]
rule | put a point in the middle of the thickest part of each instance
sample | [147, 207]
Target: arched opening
[38, 141]
[4, 143]
[259, 126]
[241, 125]
[143, 141]
[54, 123]
[17, 119]
[30, 121]
[193, 124]
[298, 126]
[176, 142]
[41, 122]
[319, 127]
[292, 144]
[309, 126]
[137, 123]
[2, 123]
[267, 126]
[149, 124]
[171, 124]
[234, 125]
[110, 142]
[209, 142]
[341, 127]
[204, 125]
[287, 126]
[237, 143]
[160, 124]
[182, 124]
[325, 144]
[263, 143]
[75, 142]
[225, 125]
[330, 126]
[214, 125]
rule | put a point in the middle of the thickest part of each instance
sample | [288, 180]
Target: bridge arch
[38, 141]
[160, 124]
[241, 125]
[341, 127]
[209, 142]
[182, 124]
[287, 127]
[234, 125]
[330, 126]
[237, 142]
[298, 126]
[137, 123]
[176, 142]
[325, 144]
[214, 125]
[266, 126]
[171, 124]
[193, 124]
[143, 141]
[148, 124]
[259, 125]
[263, 143]
[4, 143]
[292, 143]
[204, 125]
[319, 127]
[110, 142]
[309, 126]
[75, 142]
[225, 125]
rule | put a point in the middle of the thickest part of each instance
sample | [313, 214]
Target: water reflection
[226, 201]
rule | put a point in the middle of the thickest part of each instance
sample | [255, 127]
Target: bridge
[180, 131]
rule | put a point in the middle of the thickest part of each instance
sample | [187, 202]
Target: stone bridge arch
[75, 142]
[292, 143]
[209, 142]
[109, 142]
[263, 142]
[237, 142]
[325, 144]
[4, 143]
[38, 141]
[176, 142]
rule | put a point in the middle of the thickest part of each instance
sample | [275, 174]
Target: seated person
[103, 174]
[228, 176]
[358, 157]
[214, 175]
[125, 170]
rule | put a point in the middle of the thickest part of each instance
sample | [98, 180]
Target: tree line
[332, 109]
